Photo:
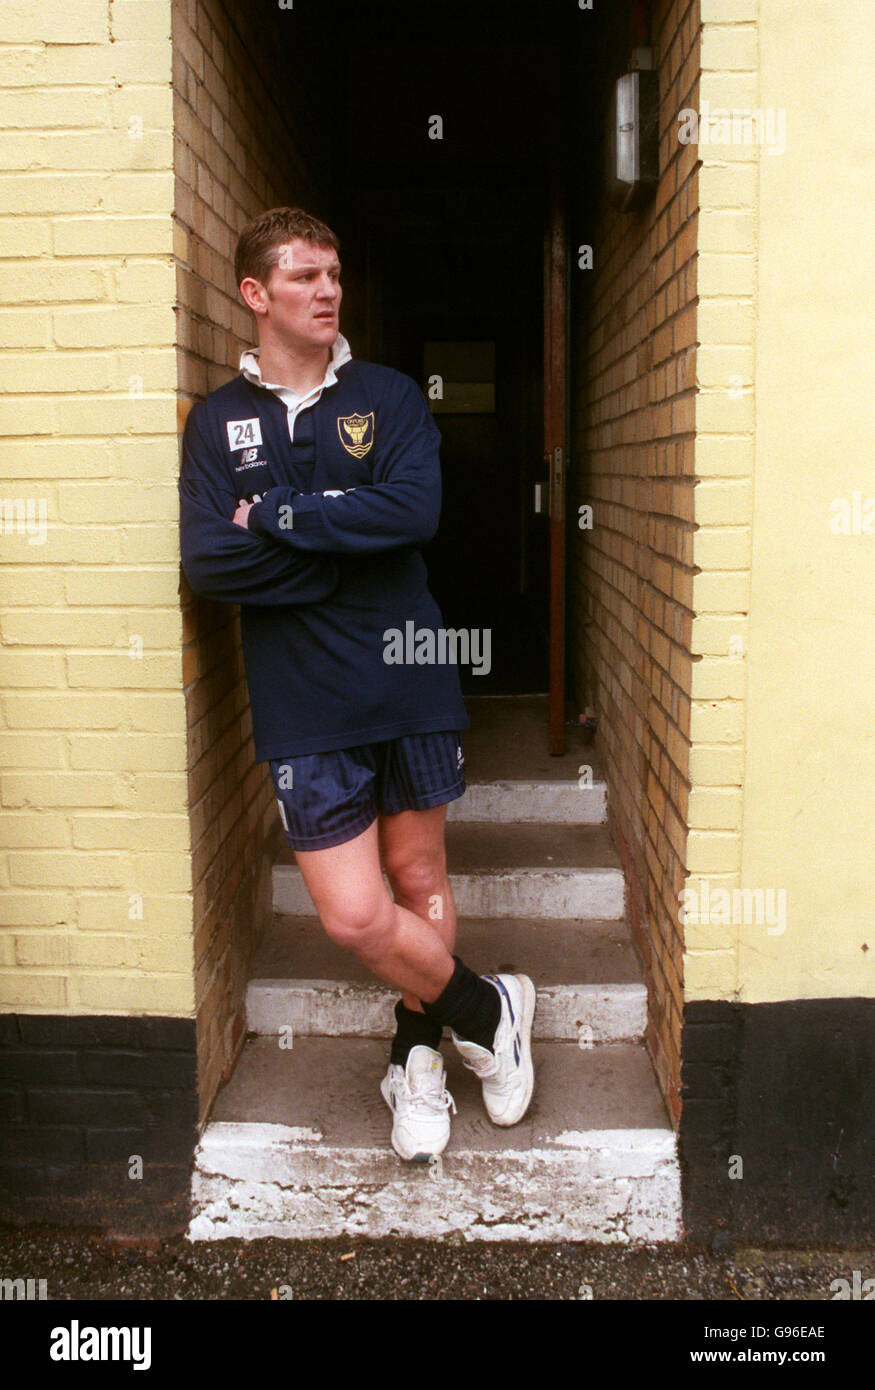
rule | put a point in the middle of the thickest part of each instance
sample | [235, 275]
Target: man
[308, 483]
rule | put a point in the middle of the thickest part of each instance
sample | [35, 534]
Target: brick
[726, 231]
[143, 282]
[133, 832]
[12, 1106]
[62, 628]
[724, 456]
[104, 1030]
[723, 503]
[715, 809]
[63, 711]
[39, 193]
[25, 328]
[59, 789]
[21, 65]
[711, 851]
[111, 415]
[50, 868]
[130, 587]
[29, 669]
[47, 372]
[717, 722]
[33, 1066]
[171, 1071]
[114, 326]
[171, 1144]
[25, 236]
[47, 106]
[122, 952]
[89, 1105]
[24, 830]
[722, 410]
[727, 185]
[110, 911]
[728, 46]
[101, 236]
[42, 948]
[113, 672]
[34, 990]
[73, 151]
[713, 635]
[150, 106]
[728, 11]
[36, 1141]
[158, 992]
[84, 23]
[83, 502]
[716, 679]
[716, 766]
[726, 321]
[23, 282]
[127, 752]
[162, 714]
[155, 792]
[125, 61]
[30, 750]
[727, 592]
[24, 417]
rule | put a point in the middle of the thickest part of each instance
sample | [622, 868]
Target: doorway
[442, 135]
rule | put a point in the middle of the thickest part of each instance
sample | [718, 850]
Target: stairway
[298, 1142]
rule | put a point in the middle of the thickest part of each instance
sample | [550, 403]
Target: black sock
[469, 1005]
[412, 1030]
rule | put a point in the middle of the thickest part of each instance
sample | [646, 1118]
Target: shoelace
[441, 1102]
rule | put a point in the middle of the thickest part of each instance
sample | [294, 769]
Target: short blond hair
[258, 244]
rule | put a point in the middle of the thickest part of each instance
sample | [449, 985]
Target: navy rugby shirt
[320, 579]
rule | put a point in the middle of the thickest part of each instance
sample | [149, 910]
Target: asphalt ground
[80, 1266]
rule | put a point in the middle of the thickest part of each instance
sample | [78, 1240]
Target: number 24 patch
[242, 434]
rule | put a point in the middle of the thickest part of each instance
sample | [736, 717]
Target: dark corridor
[434, 135]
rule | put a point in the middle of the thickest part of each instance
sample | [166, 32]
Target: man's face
[302, 295]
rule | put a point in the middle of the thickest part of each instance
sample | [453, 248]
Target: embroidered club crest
[356, 433]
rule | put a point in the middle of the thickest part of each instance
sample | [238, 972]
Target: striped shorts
[328, 798]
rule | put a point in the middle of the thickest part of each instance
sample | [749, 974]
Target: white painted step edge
[586, 1014]
[612, 1186]
[530, 892]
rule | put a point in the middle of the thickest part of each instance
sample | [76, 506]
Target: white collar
[251, 369]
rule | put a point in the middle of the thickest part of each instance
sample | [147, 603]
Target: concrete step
[546, 803]
[299, 1147]
[509, 740]
[552, 871]
[303, 981]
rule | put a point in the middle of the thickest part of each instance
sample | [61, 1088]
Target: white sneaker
[507, 1072]
[420, 1105]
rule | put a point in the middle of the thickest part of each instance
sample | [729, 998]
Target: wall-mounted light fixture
[633, 135]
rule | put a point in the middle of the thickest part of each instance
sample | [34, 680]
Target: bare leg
[413, 853]
[348, 892]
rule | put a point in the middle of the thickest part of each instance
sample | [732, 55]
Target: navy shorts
[326, 799]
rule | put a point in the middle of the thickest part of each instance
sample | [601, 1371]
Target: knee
[362, 925]
[418, 877]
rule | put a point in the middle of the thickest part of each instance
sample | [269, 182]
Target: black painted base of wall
[80, 1100]
[789, 1090]
[782, 1095]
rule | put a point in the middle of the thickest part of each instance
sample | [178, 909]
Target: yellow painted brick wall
[235, 154]
[724, 467]
[95, 877]
[632, 580]
[809, 809]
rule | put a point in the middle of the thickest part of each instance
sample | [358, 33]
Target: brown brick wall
[631, 575]
[235, 155]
